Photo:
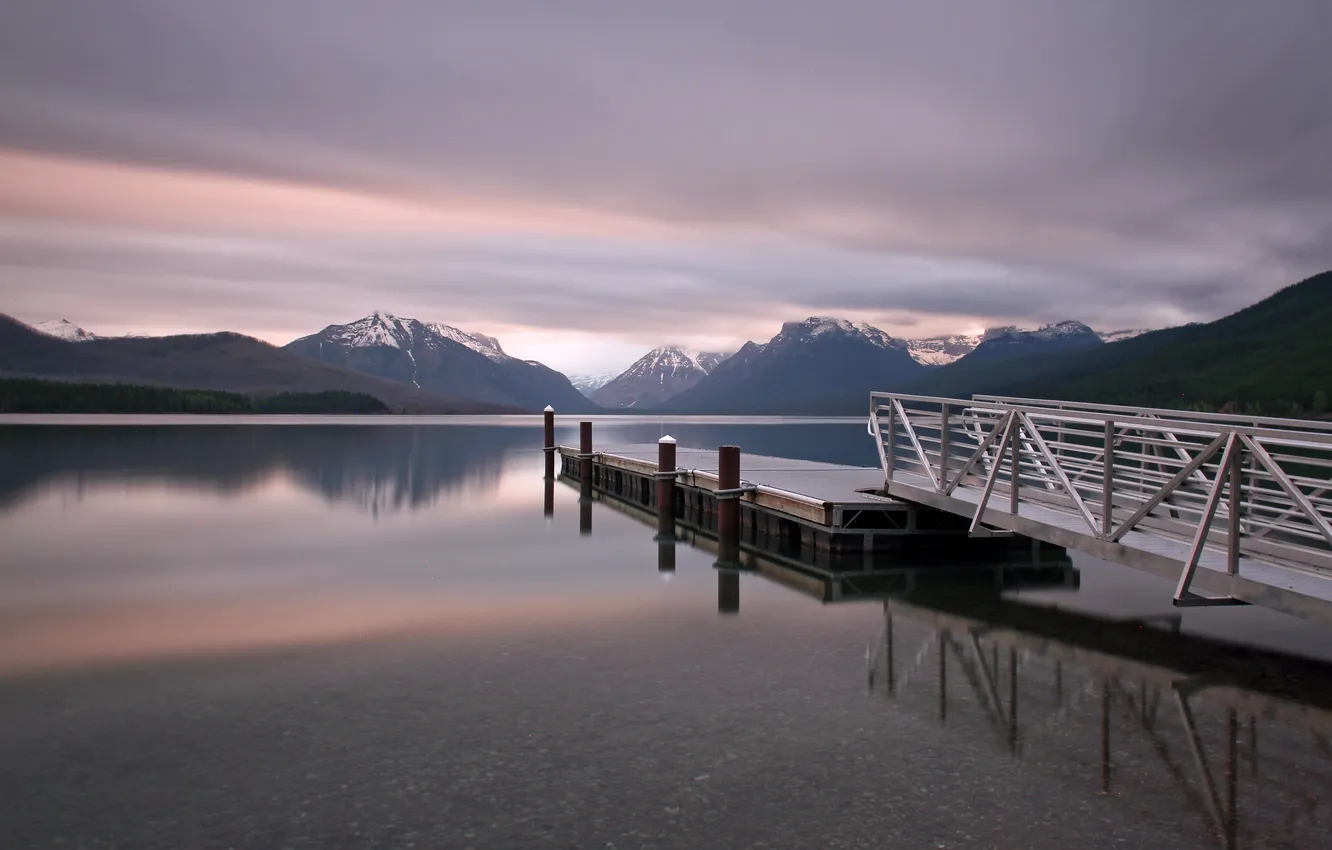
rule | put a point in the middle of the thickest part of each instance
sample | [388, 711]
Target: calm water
[259, 636]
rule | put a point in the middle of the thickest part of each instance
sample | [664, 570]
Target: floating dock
[785, 505]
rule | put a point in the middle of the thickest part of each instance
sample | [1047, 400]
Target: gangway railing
[1254, 490]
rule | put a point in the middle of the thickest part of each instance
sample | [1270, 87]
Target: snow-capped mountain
[818, 365]
[1058, 335]
[588, 384]
[442, 359]
[820, 326]
[64, 329]
[657, 376]
[942, 350]
[386, 329]
[1119, 336]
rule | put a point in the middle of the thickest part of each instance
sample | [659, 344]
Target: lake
[369, 633]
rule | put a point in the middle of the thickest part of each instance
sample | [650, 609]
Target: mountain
[220, 361]
[64, 329]
[1274, 357]
[1120, 336]
[942, 350]
[441, 359]
[820, 365]
[587, 384]
[659, 375]
[1008, 354]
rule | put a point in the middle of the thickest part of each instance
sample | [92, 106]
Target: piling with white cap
[550, 441]
[666, 489]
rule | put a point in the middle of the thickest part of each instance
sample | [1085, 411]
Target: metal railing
[1246, 486]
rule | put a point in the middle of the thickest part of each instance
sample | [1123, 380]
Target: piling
[550, 442]
[666, 490]
[548, 509]
[585, 478]
[728, 506]
[585, 451]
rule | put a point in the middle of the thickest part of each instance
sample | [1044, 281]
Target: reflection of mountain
[377, 467]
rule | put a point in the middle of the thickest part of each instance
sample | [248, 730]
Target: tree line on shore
[27, 395]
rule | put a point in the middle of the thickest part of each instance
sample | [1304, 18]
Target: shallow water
[237, 634]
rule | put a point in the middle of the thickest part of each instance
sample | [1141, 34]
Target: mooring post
[728, 507]
[585, 478]
[549, 446]
[585, 450]
[666, 491]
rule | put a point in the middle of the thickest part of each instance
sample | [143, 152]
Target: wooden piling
[728, 508]
[549, 446]
[666, 490]
[585, 451]
[584, 478]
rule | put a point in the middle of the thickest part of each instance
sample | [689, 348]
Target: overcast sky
[586, 180]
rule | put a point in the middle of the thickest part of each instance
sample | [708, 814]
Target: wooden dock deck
[788, 502]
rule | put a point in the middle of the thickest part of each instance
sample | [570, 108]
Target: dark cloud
[1127, 162]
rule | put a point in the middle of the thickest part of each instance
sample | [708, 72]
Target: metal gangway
[1235, 509]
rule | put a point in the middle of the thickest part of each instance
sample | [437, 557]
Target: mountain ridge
[220, 361]
[442, 359]
[656, 377]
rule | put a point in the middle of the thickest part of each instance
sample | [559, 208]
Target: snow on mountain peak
[1117, 336]
[64, 329]
[817, 326]
[1068, 327]
[672, 360]
[942, 350]
[382, 328]
[481, 344]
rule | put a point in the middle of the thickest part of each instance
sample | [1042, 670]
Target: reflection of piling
[665, 556]
[549, 510]
[585, 477]
[549, 445]
[728, 505]
[728, 592]
[585, 506]
[666, 491]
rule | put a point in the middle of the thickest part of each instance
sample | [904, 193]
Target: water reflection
[379, 469]
[1151, 710]
[1180, 726]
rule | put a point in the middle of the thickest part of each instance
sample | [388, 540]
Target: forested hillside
[24, 395]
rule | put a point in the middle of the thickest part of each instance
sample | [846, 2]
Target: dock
[787, 505]
[1236, 510]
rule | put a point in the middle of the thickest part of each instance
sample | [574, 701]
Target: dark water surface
[255, 636]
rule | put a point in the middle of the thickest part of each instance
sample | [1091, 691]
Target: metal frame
[1124, 475]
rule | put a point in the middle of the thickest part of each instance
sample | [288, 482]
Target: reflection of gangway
[1130, 669]
[1238, 507]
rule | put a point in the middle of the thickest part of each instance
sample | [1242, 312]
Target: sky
[587, 180]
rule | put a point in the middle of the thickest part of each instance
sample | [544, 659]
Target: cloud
[630, 169]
